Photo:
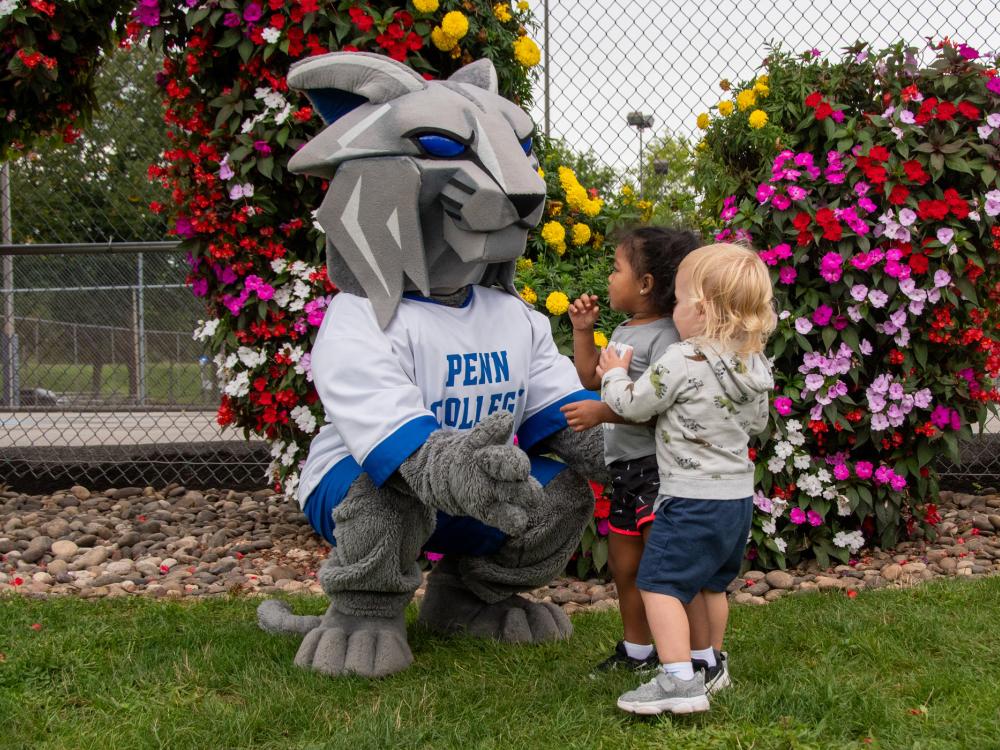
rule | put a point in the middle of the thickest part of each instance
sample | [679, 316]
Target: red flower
[602, 508]
[932, 209]
[802, 221]
[909, 92]
[969, 110]
[362, 20]
[946, 111]
[914, 171]
[918, 263]
[814, 99]
[879, 153]
[823, 111]
[898, 195]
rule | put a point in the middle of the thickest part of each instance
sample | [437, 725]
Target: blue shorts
[694, 545]
[457, 535]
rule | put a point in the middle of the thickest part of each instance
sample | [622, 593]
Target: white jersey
[433, 367]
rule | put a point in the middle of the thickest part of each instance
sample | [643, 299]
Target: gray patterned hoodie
[707, 406]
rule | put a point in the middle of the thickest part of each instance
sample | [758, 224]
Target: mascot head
[434, 184]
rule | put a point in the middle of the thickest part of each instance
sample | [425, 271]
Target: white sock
[705, 654]
[682, 670]
[638, 650]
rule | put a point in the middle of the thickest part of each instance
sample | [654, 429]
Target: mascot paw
[449, 607]
[365, 646]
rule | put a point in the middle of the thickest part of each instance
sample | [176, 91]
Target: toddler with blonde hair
[709, 393]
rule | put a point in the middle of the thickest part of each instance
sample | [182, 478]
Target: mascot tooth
[427, 364]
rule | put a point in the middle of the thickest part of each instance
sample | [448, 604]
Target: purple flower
[231, 20]
[993, 85]
[796, 193]
[183, 228]
[763, 502]
[262, 147]
[225, 170]
[815, 519]
[729, 208]
[797, 516]
[602, 527]
[822, 314]
[837, 116]
[841, 472]
[147, 12]
[945, 235]
[199, 287]
[941, 416]
[968, 52]
[863, 469]
[803, 326]
[783, 405]
[252, 13]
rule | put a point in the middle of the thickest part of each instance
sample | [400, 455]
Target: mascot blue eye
[526, 145]
[441, 145]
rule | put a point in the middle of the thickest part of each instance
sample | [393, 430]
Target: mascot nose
[526, 204]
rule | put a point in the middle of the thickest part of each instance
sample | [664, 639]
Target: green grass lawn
[166, 383]
[890, 669]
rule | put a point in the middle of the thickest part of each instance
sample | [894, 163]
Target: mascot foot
[449, 607]
[366, 646]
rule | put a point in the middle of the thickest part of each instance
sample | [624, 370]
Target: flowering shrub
[869, 186]
[49, 53]
[255, 254]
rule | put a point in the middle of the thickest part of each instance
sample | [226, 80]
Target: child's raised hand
[582, 415]
[610, 359]
[583, 312]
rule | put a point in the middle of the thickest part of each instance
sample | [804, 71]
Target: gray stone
[37, 549]
[779, 579]
[892, 572]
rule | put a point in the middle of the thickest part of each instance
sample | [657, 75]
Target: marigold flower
[455, 24]
[703, 121]
[581, 234]
[523, 6]
[557, 303]
[523, 264]
[600, 340]
[726, 107]
[758, 119]
[528, 295]
[425, 6]
[554, 234]
[541, 173]
[442, 40]
[526, 52]
[502, 12]
[746, 99]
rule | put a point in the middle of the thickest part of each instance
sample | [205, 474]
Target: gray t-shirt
[648, 341]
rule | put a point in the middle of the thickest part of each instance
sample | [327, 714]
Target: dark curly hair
[658, 251]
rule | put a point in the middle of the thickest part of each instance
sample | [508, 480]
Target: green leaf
[829, 336]
[600, 554]
[989, 175]
[968, 290]
[266, 166]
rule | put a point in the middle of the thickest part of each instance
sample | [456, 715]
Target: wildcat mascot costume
[428, 363]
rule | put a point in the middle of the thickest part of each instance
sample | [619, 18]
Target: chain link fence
[106, 384]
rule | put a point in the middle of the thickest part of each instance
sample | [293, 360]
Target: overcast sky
[666, 57]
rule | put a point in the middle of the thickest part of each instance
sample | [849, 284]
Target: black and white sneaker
[621, 660]
[717, 677]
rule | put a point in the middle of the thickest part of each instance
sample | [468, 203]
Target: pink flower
[993, 85]
[764, 192]
[252, 13]
[841, 472]
[262, 147]
[729, 208]
[837, 116]
[815, 519]
[822, 314]
[797, 516]
[863, 469]
[783, 405]
[602, 527]
[781, 202]
[787, 275]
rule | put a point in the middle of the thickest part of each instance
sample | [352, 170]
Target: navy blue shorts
[695, 545]
[457, 535]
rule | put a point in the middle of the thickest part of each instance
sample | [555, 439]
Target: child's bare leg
[624, 554]
[668, 623]
[717, 606]
[699, 622]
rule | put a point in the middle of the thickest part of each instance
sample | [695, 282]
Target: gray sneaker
[717, 677]
[665, 692]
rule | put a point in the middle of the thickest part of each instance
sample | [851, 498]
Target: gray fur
[347, 644]
[583, 451]
[274, 616]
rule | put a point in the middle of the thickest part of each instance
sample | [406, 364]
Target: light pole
[640, 121]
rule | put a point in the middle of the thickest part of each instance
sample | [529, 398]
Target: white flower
[250, 357]
[282, 294]
[775, 464]
[793, 425]
[271, 35]
[843, 506]
[206, 329]
[230, 362]
[810, 485]
[784, 315]
[853, 540]
[290, 484]
[769, 527]
[781, 544]
[783, 449]
[796, 438]
[239, 386]
[7, 7]
[824, 476]
[802, 461]
[278, 265]
[316, 223]
[304, 418]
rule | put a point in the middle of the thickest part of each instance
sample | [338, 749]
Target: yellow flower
[725, 107]
[702, 146]
[526, 52]
[600, 340]
[555, 208]
[523, 6]
[425, 6]
[442, 41]
[746, 99]
[703, 121]
[554, 233]
[758, 119]
[557, 303]
[528, 295]
[626, 190]
[576, 195]
[763, 80]
[523, 264]
[581, 234]
[455, 25]
[762, 90]
[598, 239]
[502, 12]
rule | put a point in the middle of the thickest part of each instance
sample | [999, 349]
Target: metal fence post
[8, 339]
[141, 336]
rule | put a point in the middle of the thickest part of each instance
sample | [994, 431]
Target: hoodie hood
[742, 379]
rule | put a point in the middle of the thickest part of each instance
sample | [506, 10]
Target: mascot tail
[274, 616]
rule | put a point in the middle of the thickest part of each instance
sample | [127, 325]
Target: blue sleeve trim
[545, 469]
[386, 457]
[550, 420]
[330, 491]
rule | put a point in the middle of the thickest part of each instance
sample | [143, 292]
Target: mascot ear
[338, 82]
[374, 232]
[481, 73]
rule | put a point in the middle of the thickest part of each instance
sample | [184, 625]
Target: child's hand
[582, 415]
[610, 359]
[583, 312]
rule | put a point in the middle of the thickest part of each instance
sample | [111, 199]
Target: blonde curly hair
[733, 288]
